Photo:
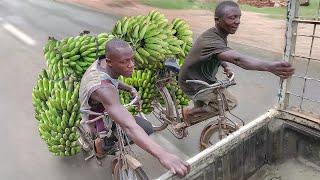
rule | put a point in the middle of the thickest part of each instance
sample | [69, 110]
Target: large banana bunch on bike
[144, 82]
[154, 39]
[184, 36]
[60, 117]
[73, 55]
[147, 36]
[55, 96]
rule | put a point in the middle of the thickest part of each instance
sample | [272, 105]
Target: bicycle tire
[167, 109]
[210, 130]
[139, 173]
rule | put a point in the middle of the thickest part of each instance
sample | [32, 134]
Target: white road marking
[19, 34]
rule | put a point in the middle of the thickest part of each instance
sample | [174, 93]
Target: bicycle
[125, 166]
[169, 113]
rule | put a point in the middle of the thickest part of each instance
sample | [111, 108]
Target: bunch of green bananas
[184, 34]
[55, 96]
[148, 37]
[73, 55]
[144, 82]
[58, 122]
[41, 93]
[174, 89]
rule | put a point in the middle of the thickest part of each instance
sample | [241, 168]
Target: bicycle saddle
[172, 65]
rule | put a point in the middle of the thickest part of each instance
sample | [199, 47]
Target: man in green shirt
[209, 52]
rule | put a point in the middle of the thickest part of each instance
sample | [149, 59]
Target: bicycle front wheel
[127, 173]
[211, 135]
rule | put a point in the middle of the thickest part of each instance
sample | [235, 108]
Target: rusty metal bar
[290, 44]
[304, 115]
[308, 78]
[307, 69]
[306, 21]
[303, 97]
[306, 57]
[304, 35]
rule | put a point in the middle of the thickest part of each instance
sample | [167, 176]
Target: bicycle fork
[222, 118]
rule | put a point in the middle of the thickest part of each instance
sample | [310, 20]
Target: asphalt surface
[24, 154]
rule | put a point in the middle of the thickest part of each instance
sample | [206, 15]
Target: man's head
[119, 57]
[227, 16]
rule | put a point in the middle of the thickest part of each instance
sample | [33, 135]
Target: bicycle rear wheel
[163, 110]
[210, 134]
[122, 173]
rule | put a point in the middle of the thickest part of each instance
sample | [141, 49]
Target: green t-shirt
[201, 62]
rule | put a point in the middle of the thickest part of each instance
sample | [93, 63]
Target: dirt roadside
[255, 30]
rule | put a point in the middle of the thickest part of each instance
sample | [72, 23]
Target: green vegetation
[178, 4]
[278, 13]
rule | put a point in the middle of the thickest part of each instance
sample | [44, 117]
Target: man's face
[122, 62]
[231, 20]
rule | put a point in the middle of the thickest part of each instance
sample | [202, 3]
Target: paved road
[24, 155]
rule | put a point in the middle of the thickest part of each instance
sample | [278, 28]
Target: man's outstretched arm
[109, 97]
[280, 68]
